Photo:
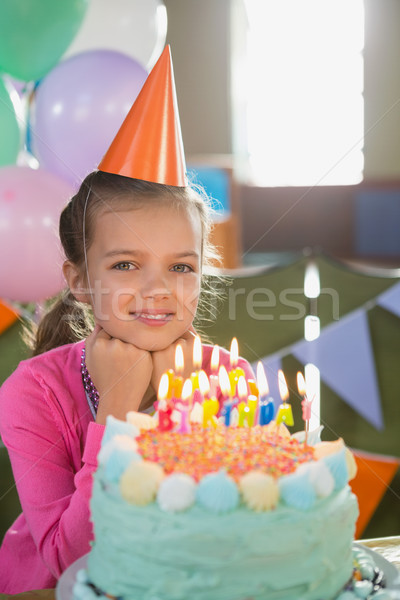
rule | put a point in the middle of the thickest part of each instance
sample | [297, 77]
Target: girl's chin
[147, 343]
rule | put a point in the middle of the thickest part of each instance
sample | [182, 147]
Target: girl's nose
[155, 286]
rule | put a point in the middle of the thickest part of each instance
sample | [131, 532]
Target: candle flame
[262, 382]
[242, 388]
[197, 353]
[234, 353]
[283, 388]
[215, 359]
[179, 361]
[204, 383]
[301, 384]
[187, 390]
[224, 382]
[163, 387]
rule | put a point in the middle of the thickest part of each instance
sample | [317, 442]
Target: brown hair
[69, 320]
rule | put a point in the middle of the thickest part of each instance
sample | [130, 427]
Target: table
[388, 547]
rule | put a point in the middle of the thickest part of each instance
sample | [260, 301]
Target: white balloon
[137, 28]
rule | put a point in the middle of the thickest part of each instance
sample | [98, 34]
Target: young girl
[135, 252]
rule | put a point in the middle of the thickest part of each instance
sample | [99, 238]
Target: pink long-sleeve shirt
[48, 429]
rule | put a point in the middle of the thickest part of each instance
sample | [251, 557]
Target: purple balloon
[30, 251]
[78, 109]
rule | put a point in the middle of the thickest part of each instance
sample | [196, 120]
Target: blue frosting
[297, 490]
[338, 467]
[218, 492]
[118, 461]
[117, 427]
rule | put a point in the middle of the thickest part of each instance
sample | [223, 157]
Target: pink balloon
[30, 251]
[79, 107]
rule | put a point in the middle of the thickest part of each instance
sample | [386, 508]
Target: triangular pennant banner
[343, 353]
[390, 299]
[374, 474]
[271, 365]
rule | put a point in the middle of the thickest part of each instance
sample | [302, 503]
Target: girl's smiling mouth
[153, 318]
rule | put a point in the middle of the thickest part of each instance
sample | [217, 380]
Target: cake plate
[66, 582]
[392, 575]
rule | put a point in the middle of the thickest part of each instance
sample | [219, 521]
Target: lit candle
[227, 393]
[266, 402]
[235, 371]
[171, 375]
[184, 406]
[197, 363]
[210, 410]
[204, 385]
[285, 414]
[178, 378]
[246, 414]
[164, 408]
[214, 381]
[305, 404]
[253, 387]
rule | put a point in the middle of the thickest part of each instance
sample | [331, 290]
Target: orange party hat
[149, 143]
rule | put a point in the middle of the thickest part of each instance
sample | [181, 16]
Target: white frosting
[176, 492]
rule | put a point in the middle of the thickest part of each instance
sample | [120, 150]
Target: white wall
[198, 31]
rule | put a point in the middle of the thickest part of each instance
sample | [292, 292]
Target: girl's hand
[120, 371]
[165, 359]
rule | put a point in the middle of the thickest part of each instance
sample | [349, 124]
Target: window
[299, 91]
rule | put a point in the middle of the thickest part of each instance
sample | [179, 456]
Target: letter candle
[171, 375]
[197, 412]
[305, 404]
[284, 414]
[226, 389]
[267, 409]
[184, 407]
[210, 410]
[235, 371]
[164, 408]
[214, 381]
[197, 362]
[178, 378]
[246, 409]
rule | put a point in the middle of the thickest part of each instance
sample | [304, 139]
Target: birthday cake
[219, 513]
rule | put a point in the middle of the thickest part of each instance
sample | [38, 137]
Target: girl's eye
[182, 268]
[123, 266]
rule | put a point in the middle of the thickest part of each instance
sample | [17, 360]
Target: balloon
[30, 251]
[137, 28]
[78, 109]
[10, 137]
[35, 33]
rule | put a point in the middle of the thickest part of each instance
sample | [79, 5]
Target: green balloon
[34, 34]
[10, 135]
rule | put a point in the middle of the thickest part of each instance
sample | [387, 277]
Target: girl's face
[144, 268]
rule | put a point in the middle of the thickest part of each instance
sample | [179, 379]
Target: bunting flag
[7, 316]
[390, 299]
[374, 475]
[344, 355]
[271, 365]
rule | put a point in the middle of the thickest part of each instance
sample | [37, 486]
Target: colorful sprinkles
[237, 450]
